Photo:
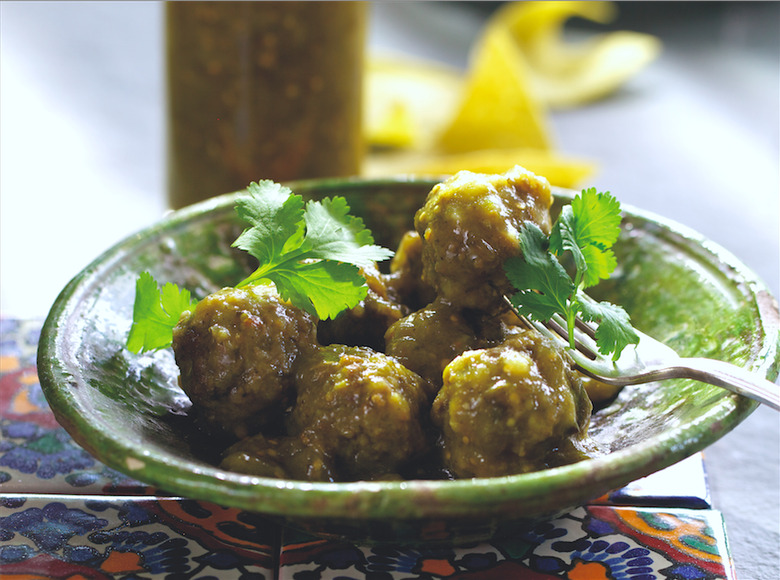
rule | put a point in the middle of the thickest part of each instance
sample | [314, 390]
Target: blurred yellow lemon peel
[407, 101]
[568, 74]
[427, 119]
[497, 109]
[559, 170]
[395, 128]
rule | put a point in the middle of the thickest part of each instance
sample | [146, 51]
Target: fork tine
[588, 329]
[584, 358]
[555, 328]
[583, 340]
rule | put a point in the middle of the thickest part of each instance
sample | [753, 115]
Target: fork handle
[729, 376]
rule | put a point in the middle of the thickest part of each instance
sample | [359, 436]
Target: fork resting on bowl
[651, 360]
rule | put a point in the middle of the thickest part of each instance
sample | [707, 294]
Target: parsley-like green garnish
[587, 228]
[311, 251]
[155, 312]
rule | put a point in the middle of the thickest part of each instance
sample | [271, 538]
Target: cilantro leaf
[316, 268]
[155, 313]
[276, 219]
[600, 263]
[587, 228]
[333, 234]
[614, 331]
[325, 288]
[543, 285]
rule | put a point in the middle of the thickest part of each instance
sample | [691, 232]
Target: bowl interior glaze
[127, 409]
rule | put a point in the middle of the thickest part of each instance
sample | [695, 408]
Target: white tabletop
[695, 138]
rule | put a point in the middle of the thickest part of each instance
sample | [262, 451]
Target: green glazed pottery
[129, 412]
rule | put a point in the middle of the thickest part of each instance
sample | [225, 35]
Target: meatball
[427, 340]
[405, 279]
[362, 407]
[281, 457]
[470, 225]
[506, 409]
[235, 351]
[366, 323]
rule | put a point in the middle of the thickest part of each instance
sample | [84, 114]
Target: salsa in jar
[262, 90]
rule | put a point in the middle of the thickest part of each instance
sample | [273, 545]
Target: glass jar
[262, 90]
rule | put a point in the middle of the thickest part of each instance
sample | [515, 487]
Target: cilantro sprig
[587, 228]
[312, 252]
[155, 312]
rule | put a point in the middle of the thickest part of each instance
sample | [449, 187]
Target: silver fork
[651, 360]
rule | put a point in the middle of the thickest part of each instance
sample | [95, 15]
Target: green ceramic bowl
[125, 409]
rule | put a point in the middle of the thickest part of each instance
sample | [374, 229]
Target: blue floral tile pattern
[590, 543]
[36, 454]
[78, 537]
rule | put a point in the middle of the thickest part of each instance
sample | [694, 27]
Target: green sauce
[262, 90]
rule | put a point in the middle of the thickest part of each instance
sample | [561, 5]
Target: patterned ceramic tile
[36, 454]
[595, 543]
[92, 537]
